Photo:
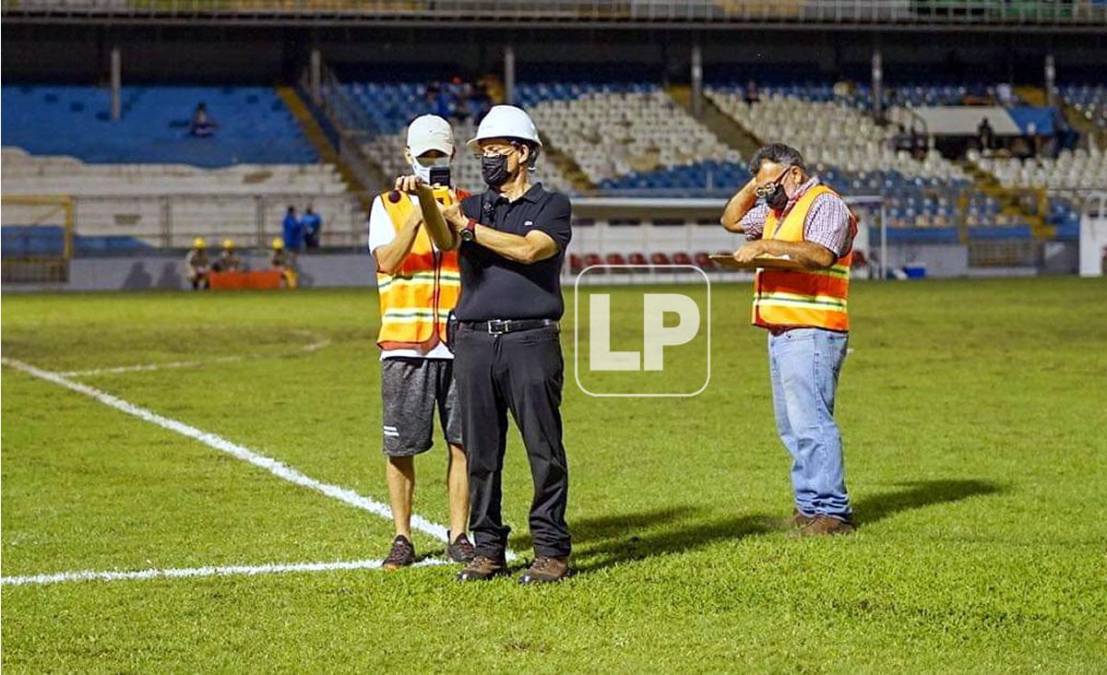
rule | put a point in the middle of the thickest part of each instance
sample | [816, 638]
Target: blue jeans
[804, 364]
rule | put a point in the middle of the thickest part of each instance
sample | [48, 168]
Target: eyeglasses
[496, 152]
[764, 191]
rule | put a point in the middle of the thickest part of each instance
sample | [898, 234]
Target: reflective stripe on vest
[811, 298]
[416, 300]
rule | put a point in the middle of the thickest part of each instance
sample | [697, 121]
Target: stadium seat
[254, 126]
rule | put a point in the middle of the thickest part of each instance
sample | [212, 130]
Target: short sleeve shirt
[494, 287]
[827, 222]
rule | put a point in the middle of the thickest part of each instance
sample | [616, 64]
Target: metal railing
[928, 12]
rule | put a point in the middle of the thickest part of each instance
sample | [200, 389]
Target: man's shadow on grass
[609, 540]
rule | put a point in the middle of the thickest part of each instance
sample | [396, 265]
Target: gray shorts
[411, 388]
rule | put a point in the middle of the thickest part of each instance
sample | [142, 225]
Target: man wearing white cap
[418, 285]
[511, 241]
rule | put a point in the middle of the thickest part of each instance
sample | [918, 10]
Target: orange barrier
[262, 279]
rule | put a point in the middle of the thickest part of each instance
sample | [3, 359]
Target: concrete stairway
[327, 152]
[567, 165]
[1012, 202]
[721, 124]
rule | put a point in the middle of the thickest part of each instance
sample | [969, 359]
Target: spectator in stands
[752, 94]
[228, 260]
[312, 225]
[438, 100]
[293, 230]
[459, 100]
[985, 134]
[197, 266]
[279, 260]
[918, 143]
[418, 285]
[1005, 94]
[479, 102]
[201, 125]
[804, 312]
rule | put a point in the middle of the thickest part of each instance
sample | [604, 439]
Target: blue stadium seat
[254, 125]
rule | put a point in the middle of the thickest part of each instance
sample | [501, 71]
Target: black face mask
[778, 199]
[494, 170]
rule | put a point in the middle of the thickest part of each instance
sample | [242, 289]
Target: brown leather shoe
[799, 519]
[482, 568]
[546, 570]
[825, 526]
[401, 555]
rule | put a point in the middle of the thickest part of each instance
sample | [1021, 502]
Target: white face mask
[423, 171]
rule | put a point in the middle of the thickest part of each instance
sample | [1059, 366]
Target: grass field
[975, 420]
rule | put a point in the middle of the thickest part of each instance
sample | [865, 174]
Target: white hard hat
[505, 121]
[430, 132]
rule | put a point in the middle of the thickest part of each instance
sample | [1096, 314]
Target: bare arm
[536, 246]
[810, 255]
[440, 233]
[738, 206]
[391, 256]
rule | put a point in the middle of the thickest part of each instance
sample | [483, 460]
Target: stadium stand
[1090, 100]
[631, 136]
[254, 126]
[392, 105]
[138, 203]
[143, 181]
[849, 151]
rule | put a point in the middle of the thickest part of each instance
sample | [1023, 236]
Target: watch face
[467, 235]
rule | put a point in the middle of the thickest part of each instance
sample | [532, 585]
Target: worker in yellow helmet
[281, 261]
[197, 265]
[229, 260]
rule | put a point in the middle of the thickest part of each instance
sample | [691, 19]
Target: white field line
[216, 442]
[192, 572]
[314, 346]
[221, 444]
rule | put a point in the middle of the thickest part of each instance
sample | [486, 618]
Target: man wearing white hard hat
[418, 284]
[511, 241]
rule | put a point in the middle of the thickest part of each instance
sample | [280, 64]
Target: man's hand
[413, 185]
[750, 250]
[739, 205]
[453, 216]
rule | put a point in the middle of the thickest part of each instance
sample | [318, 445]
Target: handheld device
[440, 175]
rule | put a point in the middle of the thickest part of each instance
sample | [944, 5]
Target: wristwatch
[469, 233]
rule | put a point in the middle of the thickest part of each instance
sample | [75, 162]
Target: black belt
[501, 326]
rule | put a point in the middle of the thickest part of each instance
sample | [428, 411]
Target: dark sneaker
[546, 570]
[825, 526]
[401, 555]
[482, 568]
[799, 519]
[460, 550]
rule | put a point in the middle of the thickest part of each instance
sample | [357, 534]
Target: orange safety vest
[809, 298]
[416, 300]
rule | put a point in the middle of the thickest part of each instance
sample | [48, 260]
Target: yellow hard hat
[199, 242]
[278, 243]
[228, 243]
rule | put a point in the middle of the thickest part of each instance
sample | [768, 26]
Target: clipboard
[764, 262]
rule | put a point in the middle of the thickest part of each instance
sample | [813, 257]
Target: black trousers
[522, 372]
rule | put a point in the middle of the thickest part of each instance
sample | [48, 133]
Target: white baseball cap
[430, 132]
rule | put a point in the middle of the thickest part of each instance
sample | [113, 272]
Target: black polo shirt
[493, 287]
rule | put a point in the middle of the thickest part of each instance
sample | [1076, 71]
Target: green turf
[973, 412]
